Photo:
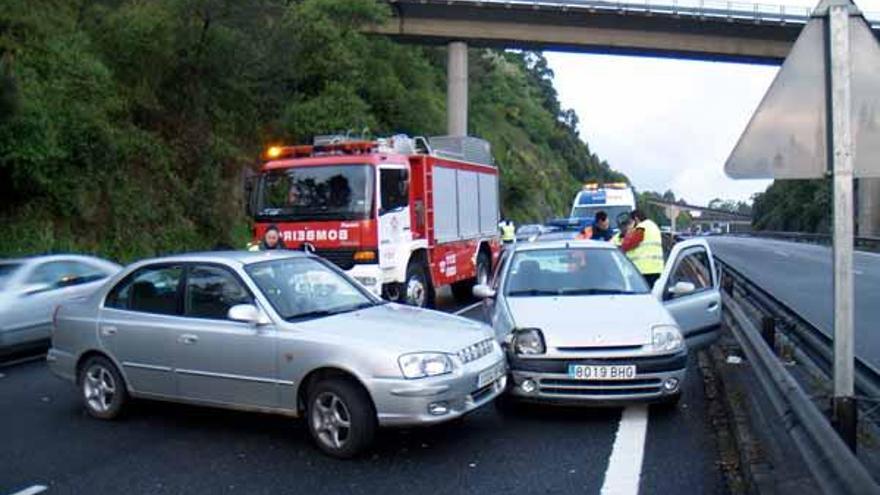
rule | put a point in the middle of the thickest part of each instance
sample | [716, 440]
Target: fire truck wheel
[417, 290]
[463, 291]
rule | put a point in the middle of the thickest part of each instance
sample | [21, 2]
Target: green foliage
[126, 126]
[794, 206]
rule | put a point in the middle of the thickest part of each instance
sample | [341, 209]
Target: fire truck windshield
[331, 192]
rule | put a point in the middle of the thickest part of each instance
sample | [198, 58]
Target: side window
[84, 273]
[52, 274]
[150, 290]
[394, 187]
[693, 266]
[211, 291]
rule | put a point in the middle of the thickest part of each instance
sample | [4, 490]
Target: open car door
[689, 288]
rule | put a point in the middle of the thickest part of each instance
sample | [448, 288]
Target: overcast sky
[667, 124]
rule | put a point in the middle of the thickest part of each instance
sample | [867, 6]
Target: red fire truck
[401, 215]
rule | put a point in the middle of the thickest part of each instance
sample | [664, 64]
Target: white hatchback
[581, 326]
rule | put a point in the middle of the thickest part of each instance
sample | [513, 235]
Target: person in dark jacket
[272, 239]
[601, 230]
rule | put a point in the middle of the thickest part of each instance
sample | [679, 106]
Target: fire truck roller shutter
[468, 205]
[488, 184]
[445, 204]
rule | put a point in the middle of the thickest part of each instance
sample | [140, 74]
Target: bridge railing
[704, 9]
[766, 329]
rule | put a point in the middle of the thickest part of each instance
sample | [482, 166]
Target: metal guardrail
[700, 9]
[834, 466]
[865, 243]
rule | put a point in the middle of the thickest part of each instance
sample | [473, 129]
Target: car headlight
[666, 338]
[528, 341]
[423, 364]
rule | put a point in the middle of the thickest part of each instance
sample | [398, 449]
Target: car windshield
[572, 271]
[6, 272]
[338, 192]
[614, 212]
[302, 288]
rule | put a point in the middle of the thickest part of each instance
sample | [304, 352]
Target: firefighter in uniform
[644, 246]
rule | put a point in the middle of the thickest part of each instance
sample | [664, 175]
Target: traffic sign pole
[840, 156]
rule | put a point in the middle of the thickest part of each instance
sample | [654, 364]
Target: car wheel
[103, 389]
[341, 418]
[417, 290]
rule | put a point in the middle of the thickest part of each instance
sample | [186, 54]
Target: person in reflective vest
[644, 246]
[508, 232]
[625, 226]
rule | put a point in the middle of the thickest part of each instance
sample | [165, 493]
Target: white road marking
[858, 272]
[782, 253]
[468, 308]
[33, 490]
[625, 465]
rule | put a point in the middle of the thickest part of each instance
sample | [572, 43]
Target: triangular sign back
[786, 137]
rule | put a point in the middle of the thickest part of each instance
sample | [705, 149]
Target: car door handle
[712, 306]
[187, 338]
[108, 331]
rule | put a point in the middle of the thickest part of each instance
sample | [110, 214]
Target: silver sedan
[31, 289]
[581, 326]
[276, 332]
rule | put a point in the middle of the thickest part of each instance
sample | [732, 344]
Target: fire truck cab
[401, 215]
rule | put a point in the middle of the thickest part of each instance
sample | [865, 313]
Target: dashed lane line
[32, 490]
[625, 465]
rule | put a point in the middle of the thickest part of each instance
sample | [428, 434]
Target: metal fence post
[840, 156]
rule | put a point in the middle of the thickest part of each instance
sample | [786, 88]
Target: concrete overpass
[714, 30]
[693, 29]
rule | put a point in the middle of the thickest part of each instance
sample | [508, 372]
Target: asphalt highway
[800, 276]
[157, 448]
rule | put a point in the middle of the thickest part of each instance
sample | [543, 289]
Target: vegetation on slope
[126, 126]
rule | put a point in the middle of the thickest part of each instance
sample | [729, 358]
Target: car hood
[403, 328]
[587, 321]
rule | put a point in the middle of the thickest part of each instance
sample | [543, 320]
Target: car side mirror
[30, 289]
[483, 291]
[247, 313]
[682, 288]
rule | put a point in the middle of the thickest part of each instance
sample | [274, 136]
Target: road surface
[800, 276]
[157, 448]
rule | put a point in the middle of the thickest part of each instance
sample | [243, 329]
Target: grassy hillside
[126, 126]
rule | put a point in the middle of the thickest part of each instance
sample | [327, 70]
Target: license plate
[605, 372]
[490, 375]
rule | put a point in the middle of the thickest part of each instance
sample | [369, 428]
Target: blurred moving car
[31, 289]
[281, 332]
[581, 326]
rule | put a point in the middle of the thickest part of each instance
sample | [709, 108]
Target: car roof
[563, 244]
[227, 257]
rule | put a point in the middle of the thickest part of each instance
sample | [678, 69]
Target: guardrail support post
[768, 331]
[845, 419]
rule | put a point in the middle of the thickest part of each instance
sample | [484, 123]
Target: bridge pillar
[868, 213]
[457, 89]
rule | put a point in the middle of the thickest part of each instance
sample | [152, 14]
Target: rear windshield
[6, 271]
